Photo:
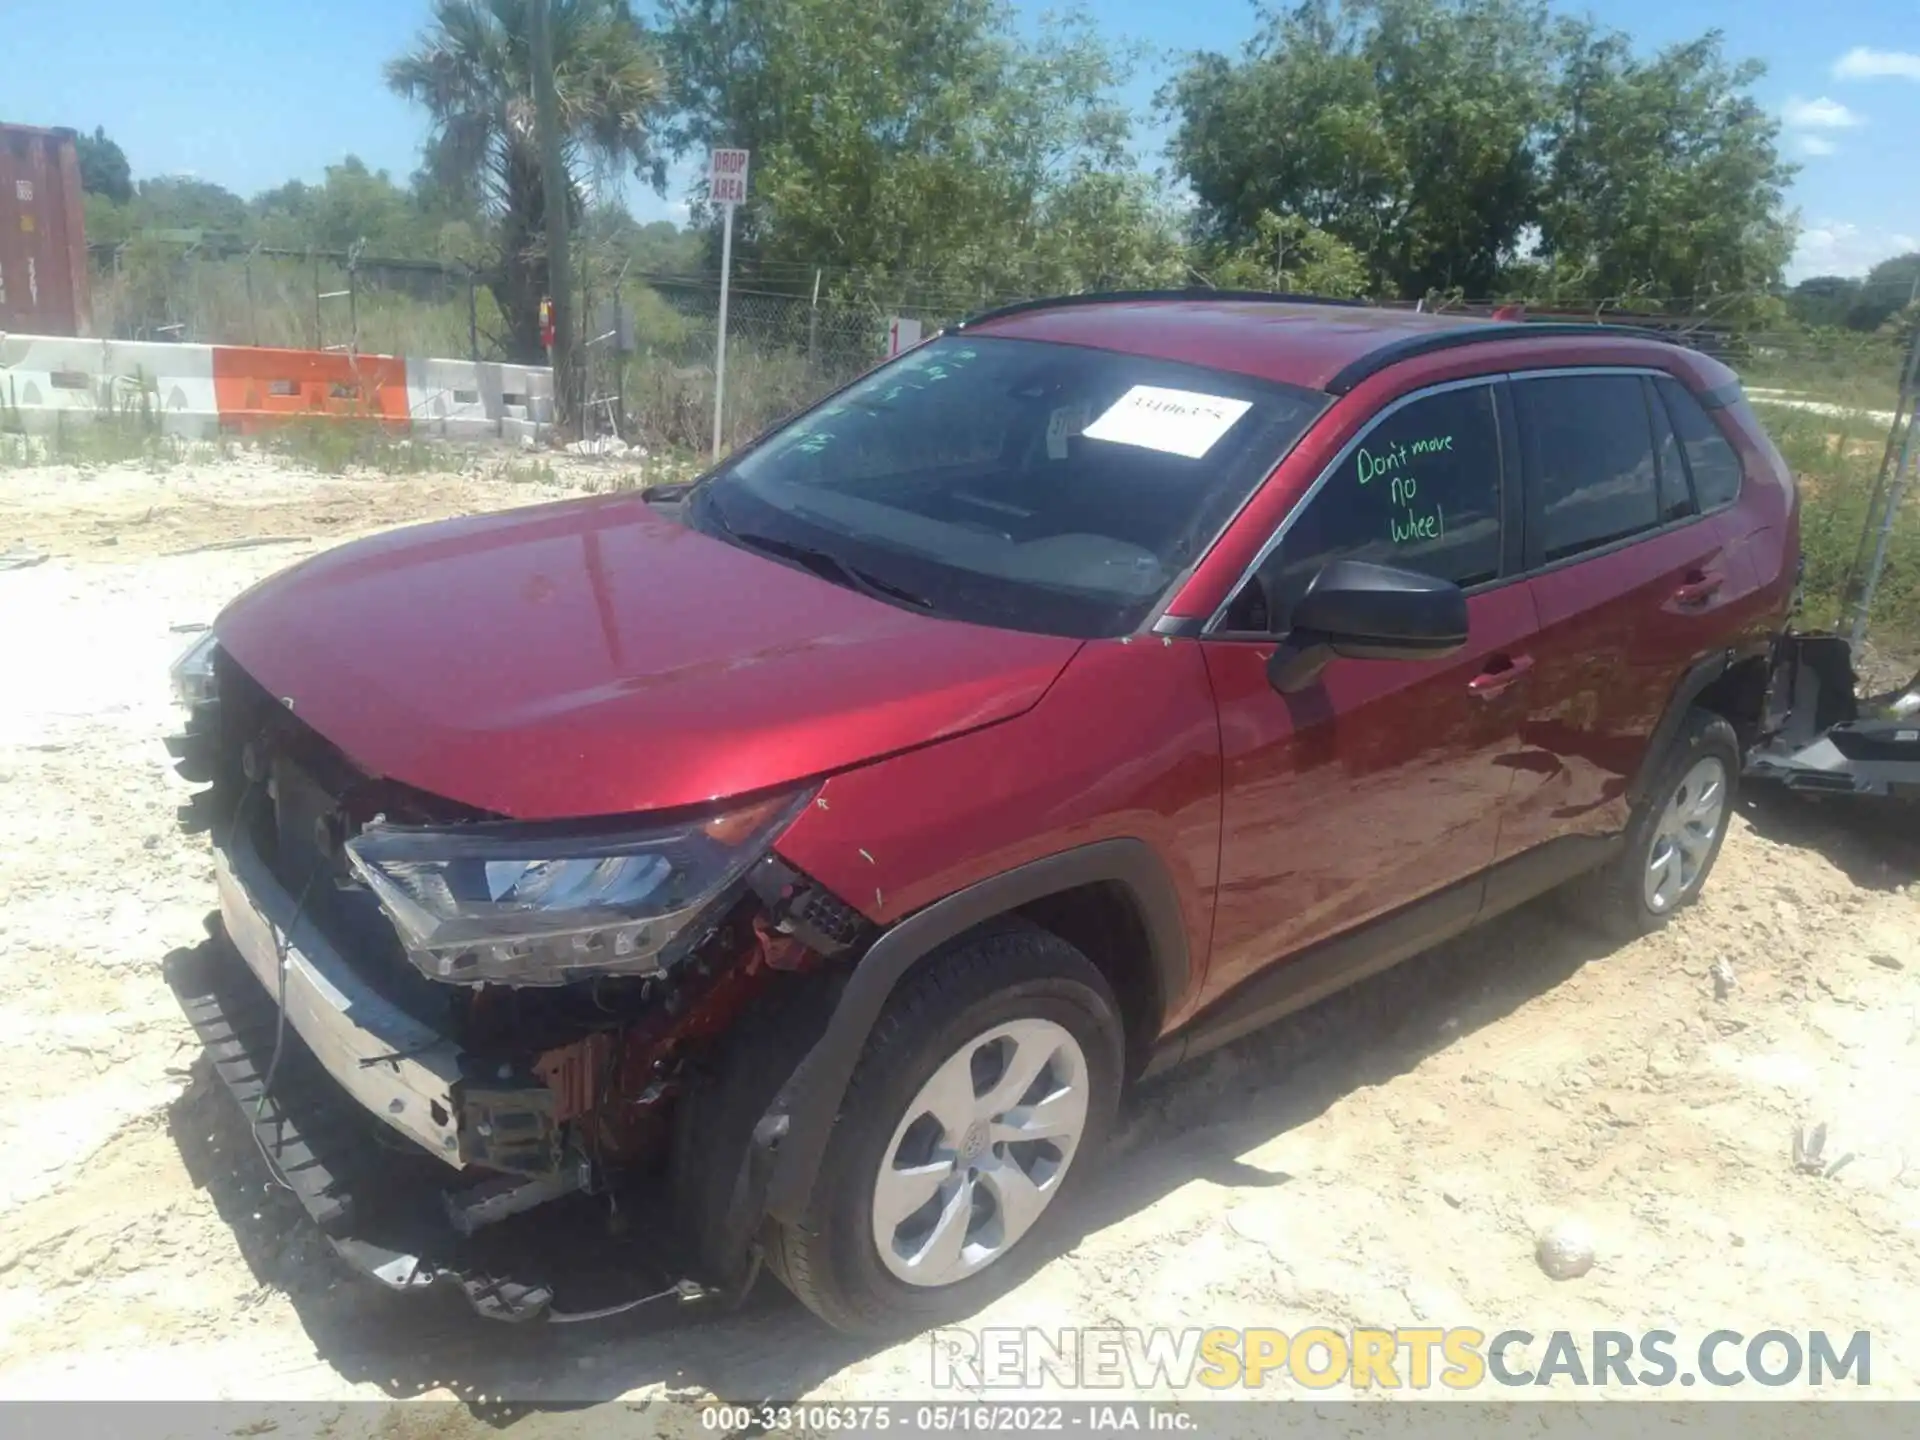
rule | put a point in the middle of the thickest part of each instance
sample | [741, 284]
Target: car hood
[596, 658]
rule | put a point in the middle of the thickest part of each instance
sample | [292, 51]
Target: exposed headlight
[535, 904]
[192, 674]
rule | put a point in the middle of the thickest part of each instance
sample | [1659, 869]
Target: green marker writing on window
[1396, 457]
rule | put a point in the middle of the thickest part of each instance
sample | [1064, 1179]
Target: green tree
[1472, 146]
[917, 144]
[1403, 128]
[103, 167]
[470, 71]
[351, 204]
[1287, 254]
[185, 202]
[1823, 299]
[1661, 176]
[657, 248]
[1888, 288]
[1103, 230]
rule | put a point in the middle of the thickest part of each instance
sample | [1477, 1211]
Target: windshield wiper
[823, 563]
[829, 566]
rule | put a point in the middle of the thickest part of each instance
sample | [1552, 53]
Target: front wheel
[979, 1106]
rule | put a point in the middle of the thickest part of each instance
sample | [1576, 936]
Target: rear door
[1629, 579]
[1380, 785]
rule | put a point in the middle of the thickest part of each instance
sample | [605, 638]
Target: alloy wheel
[1684, 836]
[980, 1152]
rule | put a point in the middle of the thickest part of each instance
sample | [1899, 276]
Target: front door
[1381, 784]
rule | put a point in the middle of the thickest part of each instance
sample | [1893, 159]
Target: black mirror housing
[1363, 611]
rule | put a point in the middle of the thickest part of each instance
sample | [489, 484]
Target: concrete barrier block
[465, 400]
[46, 381]
[196, 391]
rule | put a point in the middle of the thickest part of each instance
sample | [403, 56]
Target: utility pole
[554, 186]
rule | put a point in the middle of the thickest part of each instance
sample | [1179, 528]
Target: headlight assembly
[192, 674]
[537, 904]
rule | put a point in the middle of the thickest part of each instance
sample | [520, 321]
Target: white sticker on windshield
[1180, 422]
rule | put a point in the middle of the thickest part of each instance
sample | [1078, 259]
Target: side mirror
[1368, 612]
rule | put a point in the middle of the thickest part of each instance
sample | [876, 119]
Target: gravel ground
[1386, 1159]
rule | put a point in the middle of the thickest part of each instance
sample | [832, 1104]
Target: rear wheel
[980, 1105]
[1674, 838]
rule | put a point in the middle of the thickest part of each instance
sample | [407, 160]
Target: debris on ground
[1565, 1249]
[605, 446]
[1724, 979]
[1809, 1145]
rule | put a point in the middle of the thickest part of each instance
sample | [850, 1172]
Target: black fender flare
[791, 1139]
[1692, 686]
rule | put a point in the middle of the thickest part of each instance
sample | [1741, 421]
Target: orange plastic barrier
[258, 388]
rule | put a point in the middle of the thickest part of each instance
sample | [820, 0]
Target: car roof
[1317, 344]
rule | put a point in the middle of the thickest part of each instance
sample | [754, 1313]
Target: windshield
[1034, 486]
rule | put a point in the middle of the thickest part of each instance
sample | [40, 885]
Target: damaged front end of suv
[466, 1043]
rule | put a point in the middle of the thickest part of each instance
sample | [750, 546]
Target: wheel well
[1739, 696]
[1102, 921]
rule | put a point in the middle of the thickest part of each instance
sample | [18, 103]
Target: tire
[1621, 899]
[1007, 997]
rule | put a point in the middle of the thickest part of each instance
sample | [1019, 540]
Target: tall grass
[1836, 459]
[1840, 367]
[153, 293]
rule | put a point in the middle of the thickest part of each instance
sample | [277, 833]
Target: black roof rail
[1425, 342]
[1112, 297]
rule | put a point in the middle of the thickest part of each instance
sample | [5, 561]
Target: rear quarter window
[1713, 464]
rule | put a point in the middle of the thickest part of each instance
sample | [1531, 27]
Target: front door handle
[1502, 671]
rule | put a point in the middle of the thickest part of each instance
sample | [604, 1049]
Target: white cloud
[1863, 63]
[1815, 145]
[1819, 114]
[1839, 247]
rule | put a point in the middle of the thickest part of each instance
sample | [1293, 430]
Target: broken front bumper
[397, 1068]
[410, 1209]
[1821, 739]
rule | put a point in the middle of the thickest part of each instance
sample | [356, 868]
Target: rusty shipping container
[43, 240]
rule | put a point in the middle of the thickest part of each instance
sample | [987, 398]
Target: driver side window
[1420, 490]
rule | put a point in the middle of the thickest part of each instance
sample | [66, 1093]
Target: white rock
[1565, 1249]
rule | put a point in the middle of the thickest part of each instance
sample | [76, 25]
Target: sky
[252, 95]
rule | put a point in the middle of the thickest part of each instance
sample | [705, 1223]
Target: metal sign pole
[720, 354]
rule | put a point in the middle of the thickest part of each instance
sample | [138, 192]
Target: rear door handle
[1502, 672]
[1700, 587]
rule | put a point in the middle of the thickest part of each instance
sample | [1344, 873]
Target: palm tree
[471, 70]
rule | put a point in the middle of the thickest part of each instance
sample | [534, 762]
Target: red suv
[820, 850]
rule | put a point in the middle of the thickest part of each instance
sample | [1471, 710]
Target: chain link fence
[200, 291]
[648, 340]
[651, 351]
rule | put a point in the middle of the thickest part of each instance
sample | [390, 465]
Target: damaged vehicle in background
[792, 870]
